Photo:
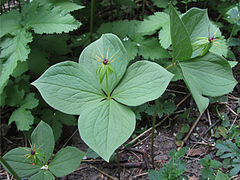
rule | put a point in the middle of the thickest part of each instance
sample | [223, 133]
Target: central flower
[105, 61]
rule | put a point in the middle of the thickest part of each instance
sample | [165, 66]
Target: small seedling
[33, 162]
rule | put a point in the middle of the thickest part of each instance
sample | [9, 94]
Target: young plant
[208, 75]
[229, 151]
[33, 162]
[105, 121]
[209, 168]
[173, 169]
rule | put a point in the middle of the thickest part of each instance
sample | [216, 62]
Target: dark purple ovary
[210, 38]
[105, 61]
[32, 152]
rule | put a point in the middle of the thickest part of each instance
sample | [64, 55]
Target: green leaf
[209, 75]
[57, 42]
[153, 23]
[15, 95]
[233, 15]
[221, 176]
[37, 61]
[126, 31]
[227, 149]
[13, 50]
[29, 102]
[66, 161]
[65, 5]
[105, 126]
[48, 19]
[23, 119]
[196, 22]
[181, 42]
[21, 165]
[42, 137]
[151, 49]
[69, 87]
[42, 175]
[10, 22]
[110, 45]
[144, 81]
[65, 118]
[161, 4]
[21, 68]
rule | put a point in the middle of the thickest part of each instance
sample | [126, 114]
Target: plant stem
[9, 168]
[171, 65]
[143, 8]
[229, 39]
[91, 19]
[118, 164]
[153, 129]
[107, 85]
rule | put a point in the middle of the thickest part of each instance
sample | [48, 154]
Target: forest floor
[135, 161]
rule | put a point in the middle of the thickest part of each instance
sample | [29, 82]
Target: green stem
[229, 39]
[9, 168]
[118, 164]
[143, 8]
[153, 129]
[107, 84]
[186, 6]
[91, 20]
[171, 65]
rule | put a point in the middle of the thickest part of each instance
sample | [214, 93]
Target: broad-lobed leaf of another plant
[10, 22]
[66, 161]
[108, 46]
[181, 42]
[69, 87]
[105, 126]
[48, 19]
[209, 75]
[13, 50]
[64, 5]
[144, 81]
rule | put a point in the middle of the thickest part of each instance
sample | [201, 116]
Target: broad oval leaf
[21, 165]
[144, 81]
[109, 46]
[42, 138]
[210, 75]
[69, 87]
[181, 42]
[105, 126]
[66, 161]
[42, 175]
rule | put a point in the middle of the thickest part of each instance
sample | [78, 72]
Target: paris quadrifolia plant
[33, 162]
[101, 90]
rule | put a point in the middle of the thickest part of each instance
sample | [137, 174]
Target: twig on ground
[210, 128]
[233, 97]
[210, 123]
[69, 138]
[114, 178]
[190, 131]
[139, 175]
[179, 92]
[232, 110]
[233, 123]
[158, 124]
